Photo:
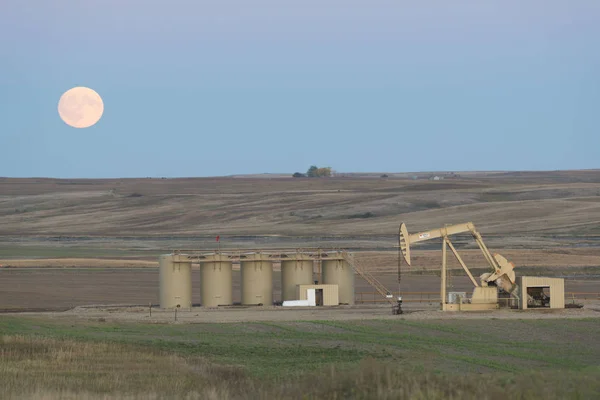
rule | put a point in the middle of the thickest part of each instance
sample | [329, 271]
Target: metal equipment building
[536, 292]
[326, 295]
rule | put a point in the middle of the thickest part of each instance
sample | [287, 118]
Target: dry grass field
[512, 209]
[562, 260]
[383, 359]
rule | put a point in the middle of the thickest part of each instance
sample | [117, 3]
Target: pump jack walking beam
[407, 240]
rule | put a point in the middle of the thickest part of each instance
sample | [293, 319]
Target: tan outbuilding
[296, 269]
[537, 291]
[175, 281]
[257, 279]
[326, 295]
[336, 271]
[216, 281]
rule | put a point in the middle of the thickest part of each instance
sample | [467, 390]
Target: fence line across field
[407, 297]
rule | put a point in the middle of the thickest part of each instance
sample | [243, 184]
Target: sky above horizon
[207, 88]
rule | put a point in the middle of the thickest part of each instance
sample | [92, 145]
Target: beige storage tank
[175, 281]
[336, 271]
[296, 270]
[257, 279]
[215, 281]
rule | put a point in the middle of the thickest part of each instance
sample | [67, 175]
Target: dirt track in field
[278, 314]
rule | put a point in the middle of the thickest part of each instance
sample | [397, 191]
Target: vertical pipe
[443, 286]
[320, 267]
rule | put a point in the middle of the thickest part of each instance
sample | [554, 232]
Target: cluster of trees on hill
[314, 172]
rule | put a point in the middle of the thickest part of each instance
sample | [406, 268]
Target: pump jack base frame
[469, 306]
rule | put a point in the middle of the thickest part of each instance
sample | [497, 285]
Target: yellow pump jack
[485, 295]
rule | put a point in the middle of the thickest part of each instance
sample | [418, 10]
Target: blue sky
[206, 88]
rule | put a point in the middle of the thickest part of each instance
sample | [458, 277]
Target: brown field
[511, 209]
[376, 261]
[545, 222]
[63, 288]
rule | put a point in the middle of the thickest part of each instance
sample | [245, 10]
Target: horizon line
[291, 173]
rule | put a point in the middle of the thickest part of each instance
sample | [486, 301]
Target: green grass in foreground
[358, 359]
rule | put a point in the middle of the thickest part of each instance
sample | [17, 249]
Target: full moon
[80, 107]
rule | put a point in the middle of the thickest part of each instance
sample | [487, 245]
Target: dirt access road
[279, 314]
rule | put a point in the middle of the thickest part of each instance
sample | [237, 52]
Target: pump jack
[502, 274]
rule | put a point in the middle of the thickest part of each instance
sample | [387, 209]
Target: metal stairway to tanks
[366, 275]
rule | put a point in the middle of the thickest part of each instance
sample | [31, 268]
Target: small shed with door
[541, 292]
[325, 295]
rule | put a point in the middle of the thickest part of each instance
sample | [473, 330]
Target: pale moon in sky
[80, 107]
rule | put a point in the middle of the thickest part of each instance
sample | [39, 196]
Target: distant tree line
[314, 172]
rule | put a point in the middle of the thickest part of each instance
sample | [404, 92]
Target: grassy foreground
[493, 359]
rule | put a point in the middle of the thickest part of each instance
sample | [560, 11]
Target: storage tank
[336, 271]
[257, 279]
[215, 281]
[175, 281]
[296, 270]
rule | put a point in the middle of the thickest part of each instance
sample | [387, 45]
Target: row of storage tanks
[256, 269]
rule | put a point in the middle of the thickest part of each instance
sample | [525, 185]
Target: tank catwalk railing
[274, 254]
